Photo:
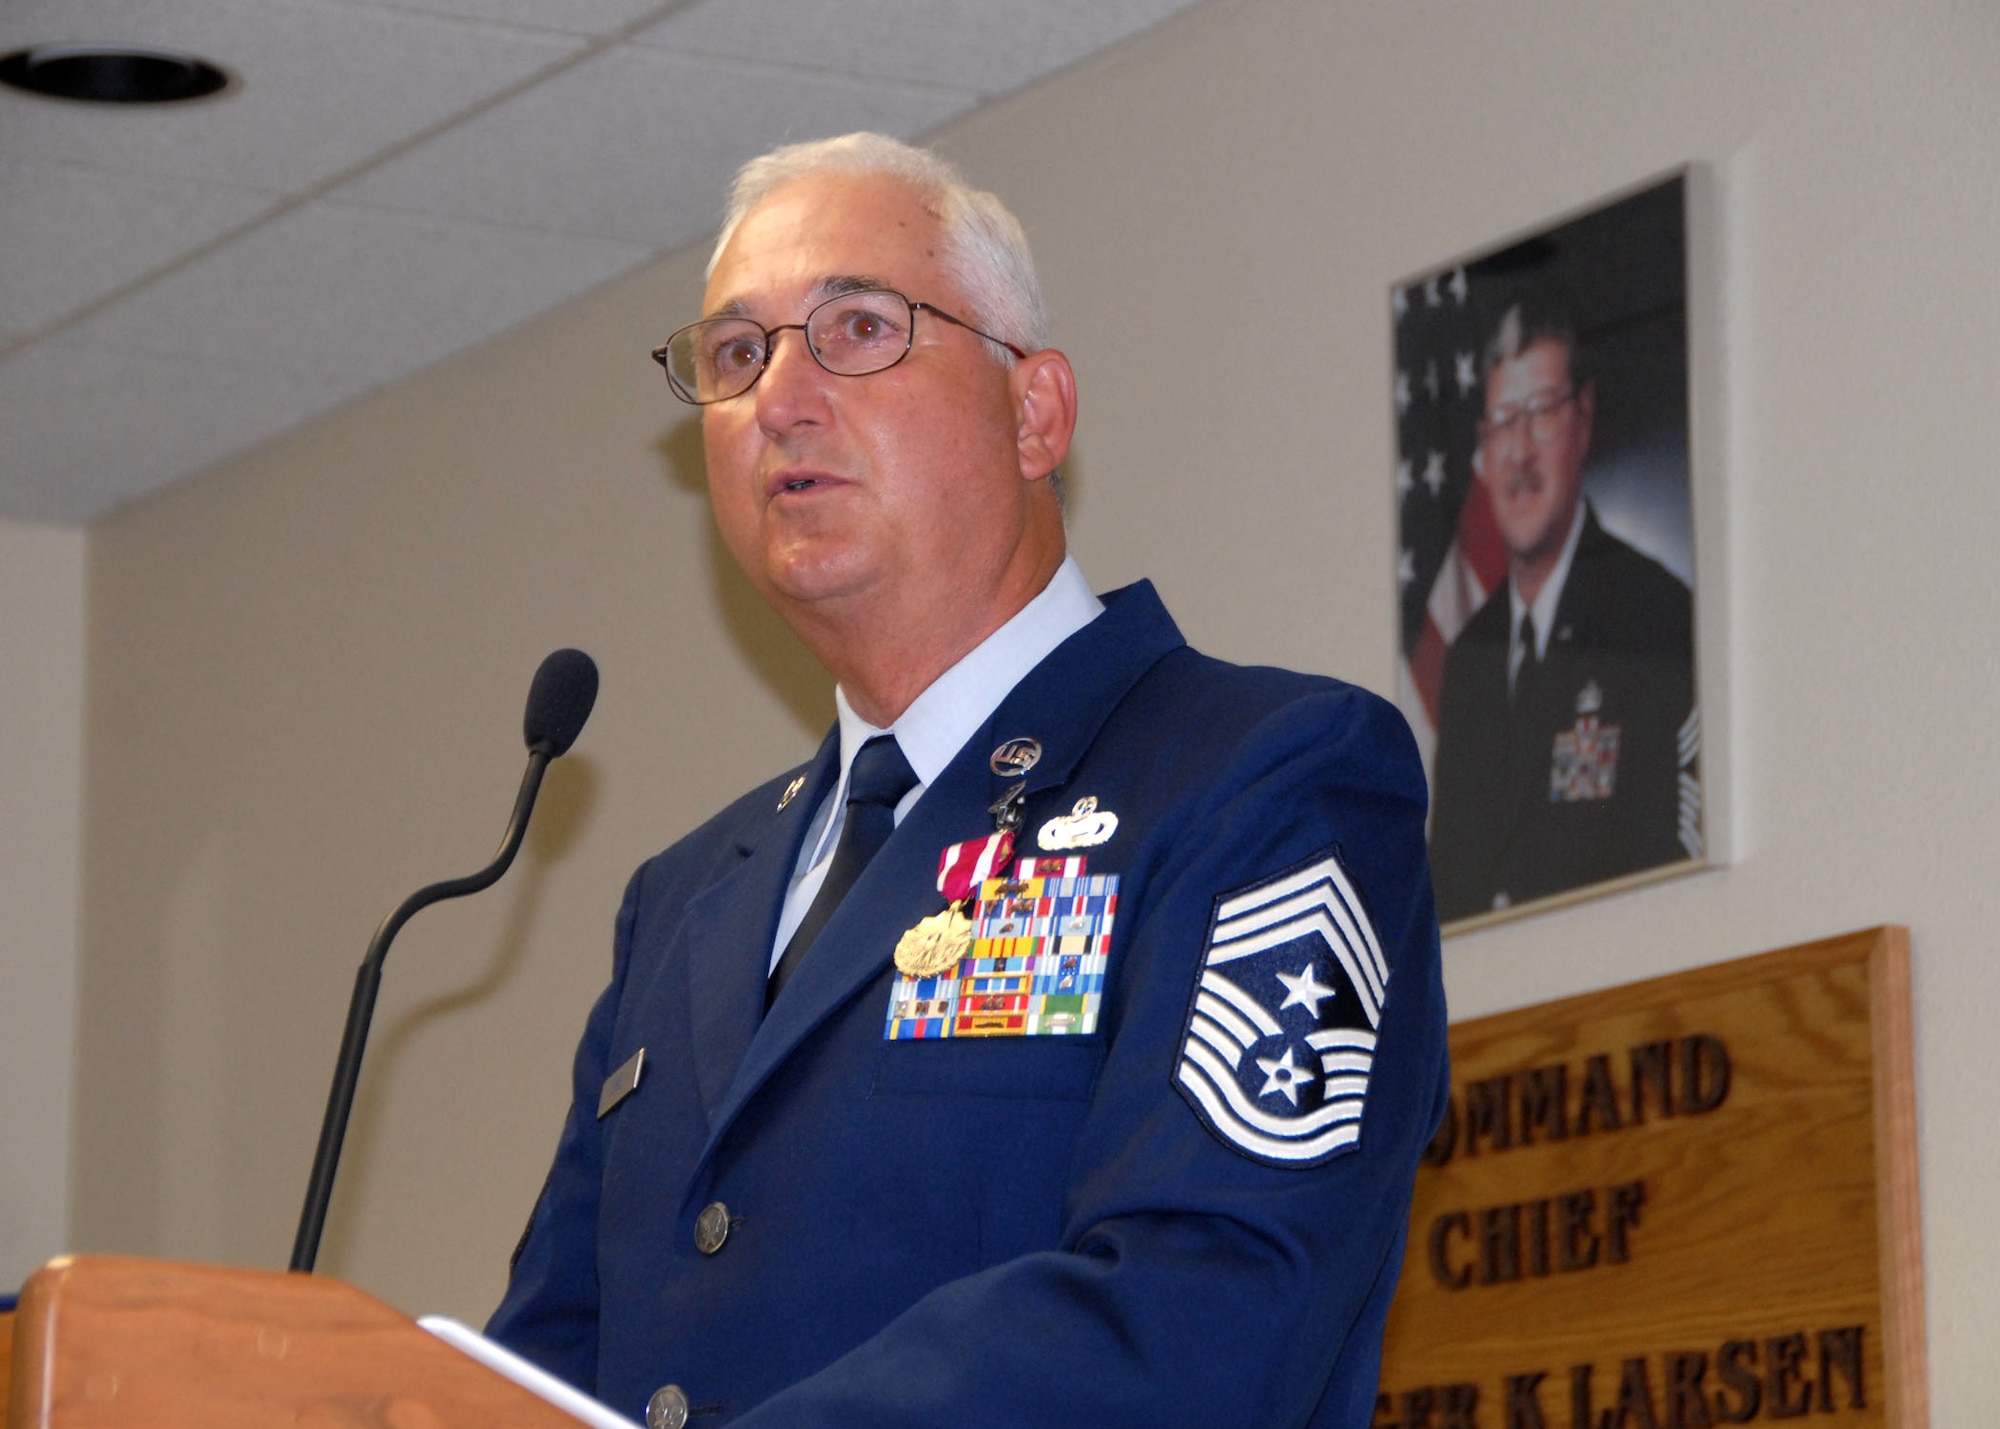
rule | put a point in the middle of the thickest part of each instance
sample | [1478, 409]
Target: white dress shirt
[1544, 608]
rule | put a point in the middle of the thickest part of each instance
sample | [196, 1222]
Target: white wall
[41, 793]
[305, 668]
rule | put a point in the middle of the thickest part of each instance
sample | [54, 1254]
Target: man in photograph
[1057, 1046]
[1567, 736]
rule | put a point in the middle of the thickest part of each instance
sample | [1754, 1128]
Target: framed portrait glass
[1546, 558]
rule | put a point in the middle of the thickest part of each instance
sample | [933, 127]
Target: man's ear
[1044, 388]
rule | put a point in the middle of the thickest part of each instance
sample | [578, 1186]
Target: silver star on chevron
[1282, 1075]
[1304, 989]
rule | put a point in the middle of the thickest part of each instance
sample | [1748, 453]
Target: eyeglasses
[1538, 413]
[850, 336]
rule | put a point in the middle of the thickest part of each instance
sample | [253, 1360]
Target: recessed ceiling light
[110, 74]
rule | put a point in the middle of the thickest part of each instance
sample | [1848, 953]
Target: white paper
[531, 1377]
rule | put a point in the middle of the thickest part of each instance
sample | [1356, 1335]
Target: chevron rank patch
[1281, 1033]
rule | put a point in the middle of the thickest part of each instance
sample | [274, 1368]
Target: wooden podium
[111, 1341]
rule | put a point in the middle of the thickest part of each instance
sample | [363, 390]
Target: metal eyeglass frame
[804, 329]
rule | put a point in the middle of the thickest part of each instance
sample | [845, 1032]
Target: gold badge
[936, 944]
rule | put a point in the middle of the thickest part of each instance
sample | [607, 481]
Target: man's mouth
[792, 482]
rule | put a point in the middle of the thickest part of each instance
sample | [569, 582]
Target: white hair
[985, 252]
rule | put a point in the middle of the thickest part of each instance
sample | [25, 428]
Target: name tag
[621, 1083]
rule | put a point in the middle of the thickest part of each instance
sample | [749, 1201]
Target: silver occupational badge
[1015, 757]
[1084, 826]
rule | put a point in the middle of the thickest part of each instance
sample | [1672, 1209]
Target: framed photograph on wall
[1546, 558]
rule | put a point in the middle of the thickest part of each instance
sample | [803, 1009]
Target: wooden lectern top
[115, 1341]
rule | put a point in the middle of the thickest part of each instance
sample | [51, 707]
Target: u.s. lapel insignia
[791, 792]
[1085, 826]
[1015, 757]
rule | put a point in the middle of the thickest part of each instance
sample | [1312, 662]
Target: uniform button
[667, 1409]
[711, 1228]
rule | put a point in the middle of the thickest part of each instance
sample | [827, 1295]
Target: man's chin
[820, 579]
[1527, 531]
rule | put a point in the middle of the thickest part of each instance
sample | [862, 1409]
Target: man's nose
[793, 384]
[1510, 444]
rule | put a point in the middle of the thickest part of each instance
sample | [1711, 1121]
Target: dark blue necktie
[1531, 659]
[880, 778]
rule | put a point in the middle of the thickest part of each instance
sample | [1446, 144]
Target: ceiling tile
[284, 291]
[635, 145]
[72, 233]
[324, 85]
[569, 17]
[988, 46]
[90, 428]
[354, 297]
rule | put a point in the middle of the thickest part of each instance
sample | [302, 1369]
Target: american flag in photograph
[1449, 556]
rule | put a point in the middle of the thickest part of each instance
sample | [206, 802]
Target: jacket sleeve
[1192, 1278]
[549, 1313]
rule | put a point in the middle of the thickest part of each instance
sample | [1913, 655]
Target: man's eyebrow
[843, 283]
[834, 285]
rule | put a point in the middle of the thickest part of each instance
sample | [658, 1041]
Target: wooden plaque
[1679, 1204]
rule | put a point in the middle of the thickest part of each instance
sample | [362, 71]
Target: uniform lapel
[730, 928]
[893, 892]
[1062, 703]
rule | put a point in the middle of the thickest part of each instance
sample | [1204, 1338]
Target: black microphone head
[559, 701]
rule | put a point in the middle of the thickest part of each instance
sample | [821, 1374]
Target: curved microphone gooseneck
[559, 701]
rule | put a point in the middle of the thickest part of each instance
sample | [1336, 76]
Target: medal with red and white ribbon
[964, 866]
[936, 944]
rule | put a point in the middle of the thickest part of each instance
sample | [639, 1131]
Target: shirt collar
[940, 720]
[1544, 608]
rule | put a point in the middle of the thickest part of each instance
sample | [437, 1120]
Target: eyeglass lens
[1536, 416]
[850, 335]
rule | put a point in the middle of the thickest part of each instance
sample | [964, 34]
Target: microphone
[559, 701]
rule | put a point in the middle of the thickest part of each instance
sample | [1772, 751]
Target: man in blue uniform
[1058, 1045]
[1567, 737]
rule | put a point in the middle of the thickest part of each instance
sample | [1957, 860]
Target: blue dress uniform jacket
[997, 1230]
